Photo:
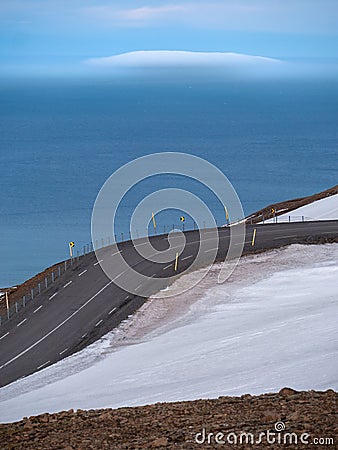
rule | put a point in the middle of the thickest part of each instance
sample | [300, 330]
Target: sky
[39, 34]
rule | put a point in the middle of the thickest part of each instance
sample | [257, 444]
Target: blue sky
[37, 34]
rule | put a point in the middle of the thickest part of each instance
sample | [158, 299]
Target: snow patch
[324, 209]
[272, 324]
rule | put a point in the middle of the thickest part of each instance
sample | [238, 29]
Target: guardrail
[47, 281]
[278, 219]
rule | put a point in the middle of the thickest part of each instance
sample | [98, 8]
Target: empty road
[84, 304]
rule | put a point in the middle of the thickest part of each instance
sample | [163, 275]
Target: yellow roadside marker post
[274, 213]
[176, 262]
[182, 219]
[71, 245]
[253, 237]
[7, 305]
[226, 214]
[154, 221]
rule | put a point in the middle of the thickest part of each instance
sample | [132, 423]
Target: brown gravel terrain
[310, 416]
[17, 292]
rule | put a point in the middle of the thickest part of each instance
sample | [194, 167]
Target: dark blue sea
[60, 140]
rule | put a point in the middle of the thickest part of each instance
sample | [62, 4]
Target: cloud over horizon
[177, 63]
[42, 34]
[179, 58]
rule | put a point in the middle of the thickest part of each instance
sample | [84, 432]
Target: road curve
[84, 304]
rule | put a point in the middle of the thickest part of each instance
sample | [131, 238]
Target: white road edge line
[42, 365]
[82, 273]
[23, 321]
[63, 351]
[57, 327]
[98, 262]
[98, 323]
[52, 296]
[37, 309]
[187, 257]
[69, 282]
[4, 335]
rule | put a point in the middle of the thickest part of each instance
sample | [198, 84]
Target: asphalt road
[84, 304]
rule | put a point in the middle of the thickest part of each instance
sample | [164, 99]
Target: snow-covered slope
[272, 324]
[324, 209]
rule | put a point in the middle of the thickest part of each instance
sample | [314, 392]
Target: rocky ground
[307, 416]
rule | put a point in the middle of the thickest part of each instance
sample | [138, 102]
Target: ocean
[61, 139]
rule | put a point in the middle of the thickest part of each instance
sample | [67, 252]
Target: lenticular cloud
[170, 58]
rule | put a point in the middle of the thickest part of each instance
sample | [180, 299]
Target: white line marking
[69, 282]
[111, 312]
[143, 243]
[211, 250]
[98, 323]
[84, 335]
[82, 273]
[137, 287]
[23, 321]
[113, 254]
[167, 267]
[52, 296]
[57, 327]
[187, 257]
[4, 335]
[98, 262]
[37, 309]
[284, 237]
[127, 297]
[63, 351]
[42, 365]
